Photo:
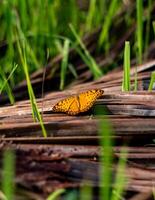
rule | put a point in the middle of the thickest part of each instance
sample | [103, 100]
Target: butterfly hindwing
[63, 105]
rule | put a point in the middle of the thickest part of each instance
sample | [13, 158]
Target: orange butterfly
[78, 103]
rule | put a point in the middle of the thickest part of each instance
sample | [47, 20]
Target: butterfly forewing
[87, 99]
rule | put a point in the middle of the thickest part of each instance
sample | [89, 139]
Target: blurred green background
[43, 26]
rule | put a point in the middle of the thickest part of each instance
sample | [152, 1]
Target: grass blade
[152, 81]
[148, 27]
[108, 20]
[153, 73]
[35, 111]
[86, 56]
[106, 159]
[64, 63]
[7, 79]
[86, 192]
[136, 80]
[55, 194]
[72, 70]
[8, 184]
[120, 179]
[91, 13]
[153, 23]
[7, 86]
[30, 51]
[139, 5]
[126, 76]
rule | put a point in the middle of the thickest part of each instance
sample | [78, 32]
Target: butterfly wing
[87, 99]
[74, 107]
[76, 104]
[63, 105]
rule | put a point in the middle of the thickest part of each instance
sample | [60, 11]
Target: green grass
[35, 111]
[86, 192]
[6, 86]
[147, 38]
[72, 70]
[91, 13]
[37, 30]
[139, 37]
[152, 81]
[153, 73]
[126, 69]
[8, 184]
[64, 64]
[106, 159]
[139, 6]
[87, 58]
[53, 19]
[56, 194]
[107, 191]
[6, 81]
[153, 23]
[120, 180]
[107, 22]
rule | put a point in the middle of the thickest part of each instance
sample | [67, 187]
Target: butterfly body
[79, 103]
